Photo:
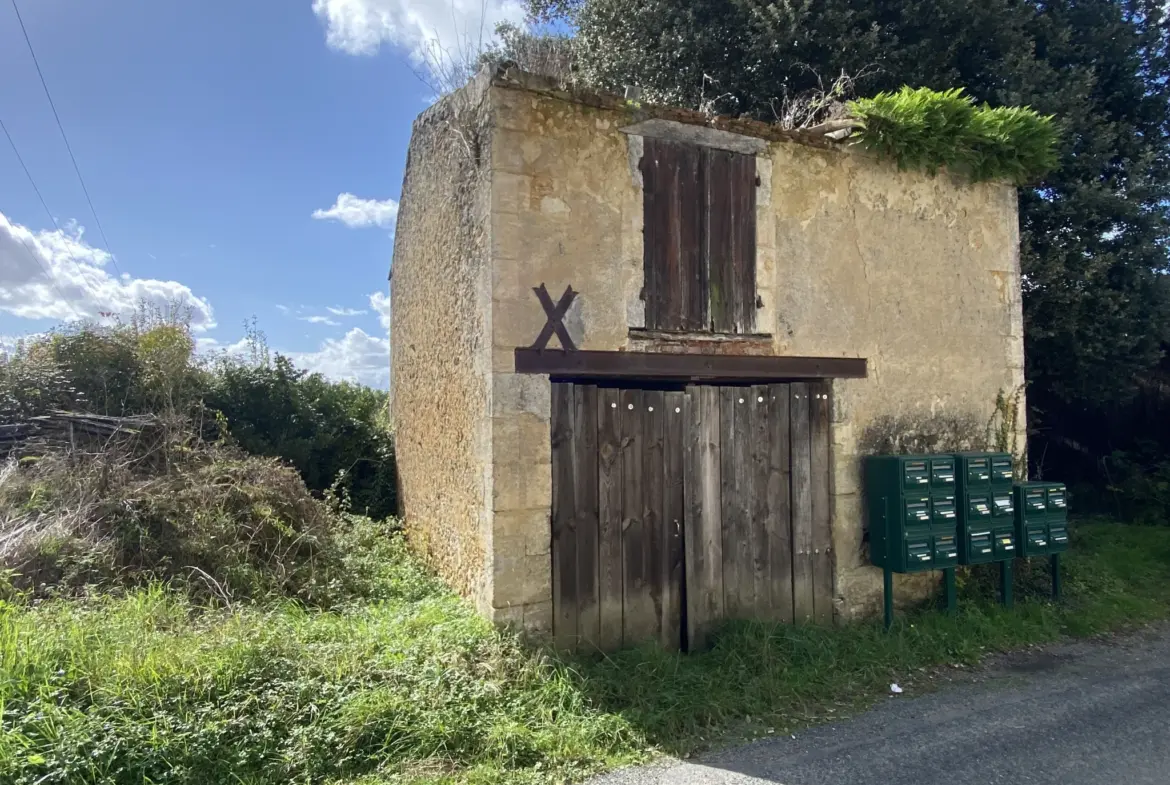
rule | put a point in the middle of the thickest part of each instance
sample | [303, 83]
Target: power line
[52, 278]
[28, 174]
[61, 128]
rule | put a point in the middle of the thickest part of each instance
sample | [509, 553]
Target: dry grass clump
[204, 515]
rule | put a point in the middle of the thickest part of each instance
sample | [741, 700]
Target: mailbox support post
[888, 596]
[1054, 565]
[1005, 583]
[950, 589]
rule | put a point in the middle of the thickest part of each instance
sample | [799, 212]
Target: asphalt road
[1075, 714]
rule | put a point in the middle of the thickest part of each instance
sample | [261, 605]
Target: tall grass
[412, 687]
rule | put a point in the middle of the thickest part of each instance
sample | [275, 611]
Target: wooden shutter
[675, 273]
[730, 210]
[699, 238]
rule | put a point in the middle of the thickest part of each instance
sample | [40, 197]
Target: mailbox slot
[918, 550]
[942, 473]
[916, 474]
[917, 511]
[1034, 502]
[1001, 470]
[978, 471]
[942, 511]
[1002, 506]
[981, 546]
[1058, 536]
[1037, 539]
[1056, 500]
[946, 550]
[978, 508]
[1004, 544]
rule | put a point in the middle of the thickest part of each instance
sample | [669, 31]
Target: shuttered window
[699, 218]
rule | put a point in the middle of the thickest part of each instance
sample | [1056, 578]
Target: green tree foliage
[1094, 232]
[332, 432]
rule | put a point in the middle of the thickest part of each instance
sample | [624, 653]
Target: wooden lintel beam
[654, 366]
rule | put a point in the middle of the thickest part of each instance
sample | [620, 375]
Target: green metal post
[1005, 583]
[888, 596]
[1054, 565]
[951, 590]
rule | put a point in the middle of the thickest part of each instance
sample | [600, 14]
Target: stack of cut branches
[74, 431]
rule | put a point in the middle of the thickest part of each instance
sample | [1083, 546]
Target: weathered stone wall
[918, 274]
[440, 313]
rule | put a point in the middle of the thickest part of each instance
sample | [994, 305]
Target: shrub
[330, 431]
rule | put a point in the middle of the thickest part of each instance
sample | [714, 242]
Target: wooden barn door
[758, 524]
[617, 515]
[673, 511]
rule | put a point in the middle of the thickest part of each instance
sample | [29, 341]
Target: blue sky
[244, 158]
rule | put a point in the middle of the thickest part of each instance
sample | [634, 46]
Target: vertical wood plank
[585, 482]
[717, 237]
[564, 508]
[653, 497]
[802, 515]
[703, 529]
[637, 605]
[674, 274]
[738, 574]
[609, 505]
[822, 518]
[673, 513]
[779, 526]
[658, 252]
[760, 503]
[743, 242]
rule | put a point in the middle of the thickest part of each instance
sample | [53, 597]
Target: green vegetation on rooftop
[928, 129]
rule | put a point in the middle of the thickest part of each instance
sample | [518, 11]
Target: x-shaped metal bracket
[556, 314]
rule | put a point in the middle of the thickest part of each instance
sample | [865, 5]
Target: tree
[1094, 233]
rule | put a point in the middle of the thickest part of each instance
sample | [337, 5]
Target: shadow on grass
[760, 679]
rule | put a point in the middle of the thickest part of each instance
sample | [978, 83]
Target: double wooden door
[674, 510]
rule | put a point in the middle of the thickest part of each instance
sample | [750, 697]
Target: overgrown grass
[414, 688]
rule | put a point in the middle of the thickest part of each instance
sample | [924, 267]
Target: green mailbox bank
[987, 524]
[912, 514]
[1041, 518]
[913, 518]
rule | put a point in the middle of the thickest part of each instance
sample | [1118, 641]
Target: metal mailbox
[986, 507]
[1041, 518]
[913, 512]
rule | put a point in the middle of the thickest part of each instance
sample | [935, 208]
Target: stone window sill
[700, 343]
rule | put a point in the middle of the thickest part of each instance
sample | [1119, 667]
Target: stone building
[637, 353]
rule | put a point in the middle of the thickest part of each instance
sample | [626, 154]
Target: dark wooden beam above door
[654, 366]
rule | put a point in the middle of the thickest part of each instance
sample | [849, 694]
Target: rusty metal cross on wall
[556, 315]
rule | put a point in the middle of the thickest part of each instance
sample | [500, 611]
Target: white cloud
[345, 311]
[319, 320]
[456, 27]
[57, 275]
[356, 357]
[241, 347]
[380, 302]
[357, 213]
